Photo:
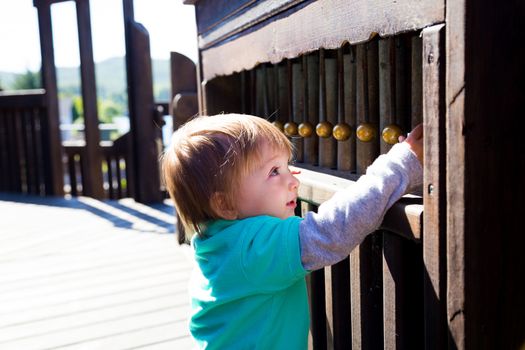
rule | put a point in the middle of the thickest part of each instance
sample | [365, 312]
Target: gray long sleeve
[343, 221]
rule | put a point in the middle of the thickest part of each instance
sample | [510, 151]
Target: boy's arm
[343, 221]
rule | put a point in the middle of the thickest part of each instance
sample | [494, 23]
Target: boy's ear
[220, 206]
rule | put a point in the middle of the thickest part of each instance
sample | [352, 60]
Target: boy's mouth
[291, 204]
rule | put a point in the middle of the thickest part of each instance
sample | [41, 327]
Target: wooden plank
[402, 293]
[52, 151]
[366, 290]
[222, 95]
[455, 159]
[341, 319]
[347, 149]
[145, 134]
[103, 278]
[92, 156]
[387, 87]
[416, 102]
[22, 98]
[434, 254]
[493, 173]
[297, 103]
[366, 99]
[311, 112]
[240, 18]
[328, 98]
[352, 22]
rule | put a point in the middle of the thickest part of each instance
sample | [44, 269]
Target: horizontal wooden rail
[22, 99]
[405, 218]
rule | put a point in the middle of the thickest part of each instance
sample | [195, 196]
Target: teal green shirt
[249, 290]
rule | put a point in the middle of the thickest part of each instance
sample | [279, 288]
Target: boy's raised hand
[414, 141]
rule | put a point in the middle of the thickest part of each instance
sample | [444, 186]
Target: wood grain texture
[434, 254]
[90, 274]
[307, 30]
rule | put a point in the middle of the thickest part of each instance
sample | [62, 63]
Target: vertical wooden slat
[38, 114]
[387, 88]
[416, 102]
[366, 294]
[92, 156]
[283, 95]
[342, 325]
[3, 152]
[316, 293]
[18, 160]
[433, 70]
[366, 151]
[328, 106]
[346, 149]
[311, 144]
[402, 293]
[297, 102]
[52, 148]
[402, 79]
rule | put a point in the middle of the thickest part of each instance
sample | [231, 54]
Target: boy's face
[270, 189]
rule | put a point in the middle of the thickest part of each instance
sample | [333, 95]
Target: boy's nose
[294, 183]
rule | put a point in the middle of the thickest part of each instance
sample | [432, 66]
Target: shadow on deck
[81, 273]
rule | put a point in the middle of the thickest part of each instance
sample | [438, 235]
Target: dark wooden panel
[223, 95]
[434, 253]
[52, 149]
[145, 133]
[353, 22]
[402, 293]
[346, 150]
[366, 289]
[92, 156]
[211, 13]
[311, 115]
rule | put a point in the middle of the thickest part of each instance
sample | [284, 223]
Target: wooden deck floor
[86, 274]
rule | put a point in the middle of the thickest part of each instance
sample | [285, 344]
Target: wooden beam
[352, 22]
[23, 98]
[434, 254]
[455, 180]
[92, 160]
[52, 154]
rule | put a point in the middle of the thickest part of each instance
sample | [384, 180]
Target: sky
[170, 23]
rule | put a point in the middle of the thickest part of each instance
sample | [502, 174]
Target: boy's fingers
[417, 132]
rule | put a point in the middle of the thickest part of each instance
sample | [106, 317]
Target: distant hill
[110, 77]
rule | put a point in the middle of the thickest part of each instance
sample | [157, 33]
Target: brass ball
[279, 125]
[290, 129]
[342, 132]
[306, 129]
[391, 134]
[366, 132]
[324, 129]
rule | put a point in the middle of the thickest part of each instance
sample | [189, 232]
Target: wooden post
[145, 134]
[92, 161]
[52, 153]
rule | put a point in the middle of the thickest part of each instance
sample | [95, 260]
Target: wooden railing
[24, 143]
[25, 155]
[373, 298]
[114, 167]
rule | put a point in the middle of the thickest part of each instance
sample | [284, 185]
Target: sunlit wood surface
[86, 274]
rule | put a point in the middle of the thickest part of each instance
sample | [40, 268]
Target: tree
[28, 80]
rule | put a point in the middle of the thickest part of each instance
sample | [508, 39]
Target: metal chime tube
[342, 132]
[366, 99]
[327, 110]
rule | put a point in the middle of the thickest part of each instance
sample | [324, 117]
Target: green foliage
[28, 80]
[107, 109]
[77, 108]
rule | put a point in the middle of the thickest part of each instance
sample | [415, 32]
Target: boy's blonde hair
[209, 155]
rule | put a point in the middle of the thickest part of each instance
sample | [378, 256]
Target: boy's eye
[274, 172]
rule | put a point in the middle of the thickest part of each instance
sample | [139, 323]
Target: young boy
[229, 178]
